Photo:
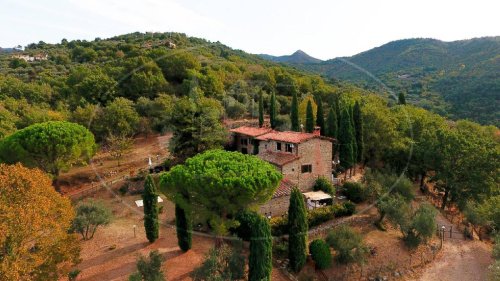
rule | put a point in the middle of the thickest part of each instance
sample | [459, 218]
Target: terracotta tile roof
[251, 131]
[277, 158]
[284, 189]
[288, 136]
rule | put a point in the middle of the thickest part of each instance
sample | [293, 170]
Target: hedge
[315, 217]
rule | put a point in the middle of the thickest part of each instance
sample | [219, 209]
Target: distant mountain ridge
[459, 79]
[298, 57]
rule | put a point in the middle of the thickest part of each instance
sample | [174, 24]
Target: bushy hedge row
[279, 225]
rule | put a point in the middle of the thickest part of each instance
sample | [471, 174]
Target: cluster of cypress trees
[272, 111]
[345, 125]
[350, 136]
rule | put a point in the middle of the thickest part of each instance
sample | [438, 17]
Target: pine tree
[346, 155]
[294, 116]
[358, 126]
[272, 110]
[150, 201]
[309, 118]
[297, 227]
[332, 129]
[320, 117]
[261, 111]
[401, 98]
[260, 258]
[183, 227]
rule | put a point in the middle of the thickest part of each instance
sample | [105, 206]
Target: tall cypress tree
[309, 117]
[353, 137]
[260, 258]
[150, 201]
[331, 124]
[320, 117]
[294, 115]
[401, 98]
[261, 111]
[183, 227]
[272, 110]
[332, 129]
[358, 126]
[297, 228]
[346, 155]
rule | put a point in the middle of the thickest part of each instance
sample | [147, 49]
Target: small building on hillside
[301, 157]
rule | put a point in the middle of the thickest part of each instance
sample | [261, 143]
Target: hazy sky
[324, 29]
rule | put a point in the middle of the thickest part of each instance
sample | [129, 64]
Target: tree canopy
[221, 183]
[52, 146]
[30, 235]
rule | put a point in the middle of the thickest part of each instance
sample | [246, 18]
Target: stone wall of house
[318, 153]
[275, 207]
[239, 147]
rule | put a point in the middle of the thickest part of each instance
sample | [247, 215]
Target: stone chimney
[317, 131]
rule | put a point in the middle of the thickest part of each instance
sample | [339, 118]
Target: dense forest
[456, 79]
[140, 76]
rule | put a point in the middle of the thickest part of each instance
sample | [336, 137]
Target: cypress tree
[320, 117]
[309, 117]
[260, 258]
[261, 111]
[332, 129]
[183, 227]
[297, 227]
[150, 201]
[346, 155]
[401, 98]
[358, 126]
[294, 115]
[272, 110]
[353, 137]
[331, 124]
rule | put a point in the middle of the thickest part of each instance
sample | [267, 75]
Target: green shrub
[348, 245]
[124, 188]
[322, 184]
[355, 192]
[279, 226]
[320, 253]
[348, 209]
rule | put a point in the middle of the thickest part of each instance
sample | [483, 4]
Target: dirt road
[459, 260]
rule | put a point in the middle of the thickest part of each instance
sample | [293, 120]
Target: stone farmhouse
[301, 157]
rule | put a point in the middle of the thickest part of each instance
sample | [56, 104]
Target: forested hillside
[457, 79]
[140, 76]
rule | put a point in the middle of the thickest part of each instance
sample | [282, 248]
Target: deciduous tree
[90, 214]
[34, 223]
